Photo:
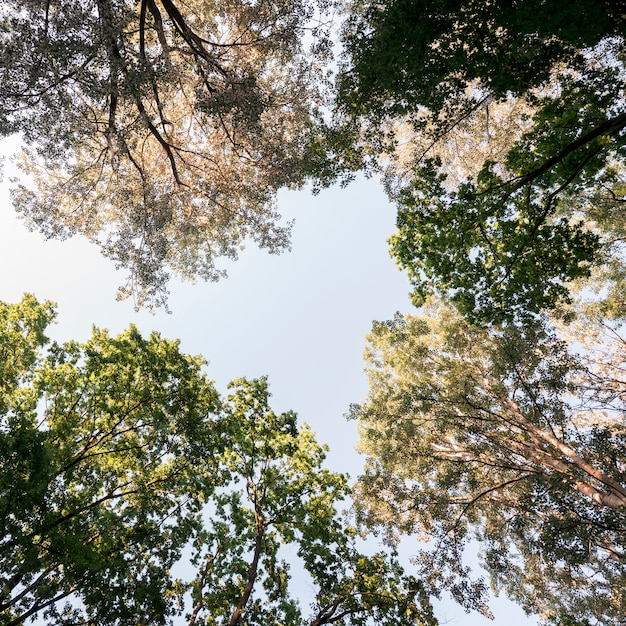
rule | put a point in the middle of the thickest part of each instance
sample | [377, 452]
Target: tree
[504, 239]
[279, 495]
[103, 448]
[513, 436]
[162, 130]
[120, 462]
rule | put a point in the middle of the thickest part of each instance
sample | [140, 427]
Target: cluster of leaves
[440, 49]
[503, 237]
[94, 476]
[118, 459]
[161, 130]
[508, 436]
[493, 254]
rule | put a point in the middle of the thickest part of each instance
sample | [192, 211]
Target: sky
[300, 317]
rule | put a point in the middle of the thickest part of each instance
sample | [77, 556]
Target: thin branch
[482, 494]
[38, 606]
[205, 571]
[164, 144]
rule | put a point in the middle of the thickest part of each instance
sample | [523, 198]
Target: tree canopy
[503, 237]
[95, 482]
[162, 130]
[512, 436]
[120, 464]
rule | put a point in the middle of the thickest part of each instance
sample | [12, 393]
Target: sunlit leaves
[163, 132]
[493, 249]
[509, 433]
[119, 462]
[96, 473]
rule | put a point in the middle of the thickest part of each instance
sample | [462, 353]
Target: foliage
[119, 462]
[162, 130]
[503, 237]
[95, 481]
[512, 435]
[279, 495]
[494, 254]
[441, 48]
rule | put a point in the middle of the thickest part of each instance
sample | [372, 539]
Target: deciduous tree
[104, 452]
[162, 130]
[503, 239]
[280, 495]
[510, 435]
[119, 464]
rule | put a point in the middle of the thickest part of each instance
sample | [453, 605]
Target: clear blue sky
[299, 318]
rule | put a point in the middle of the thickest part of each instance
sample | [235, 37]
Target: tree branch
[607, 127]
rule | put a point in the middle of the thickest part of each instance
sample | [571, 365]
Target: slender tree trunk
[254, 568]
[614, 497]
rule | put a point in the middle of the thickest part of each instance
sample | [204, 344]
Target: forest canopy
[503, 127]
[499, 130]
[120, 464]
[162, 131]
